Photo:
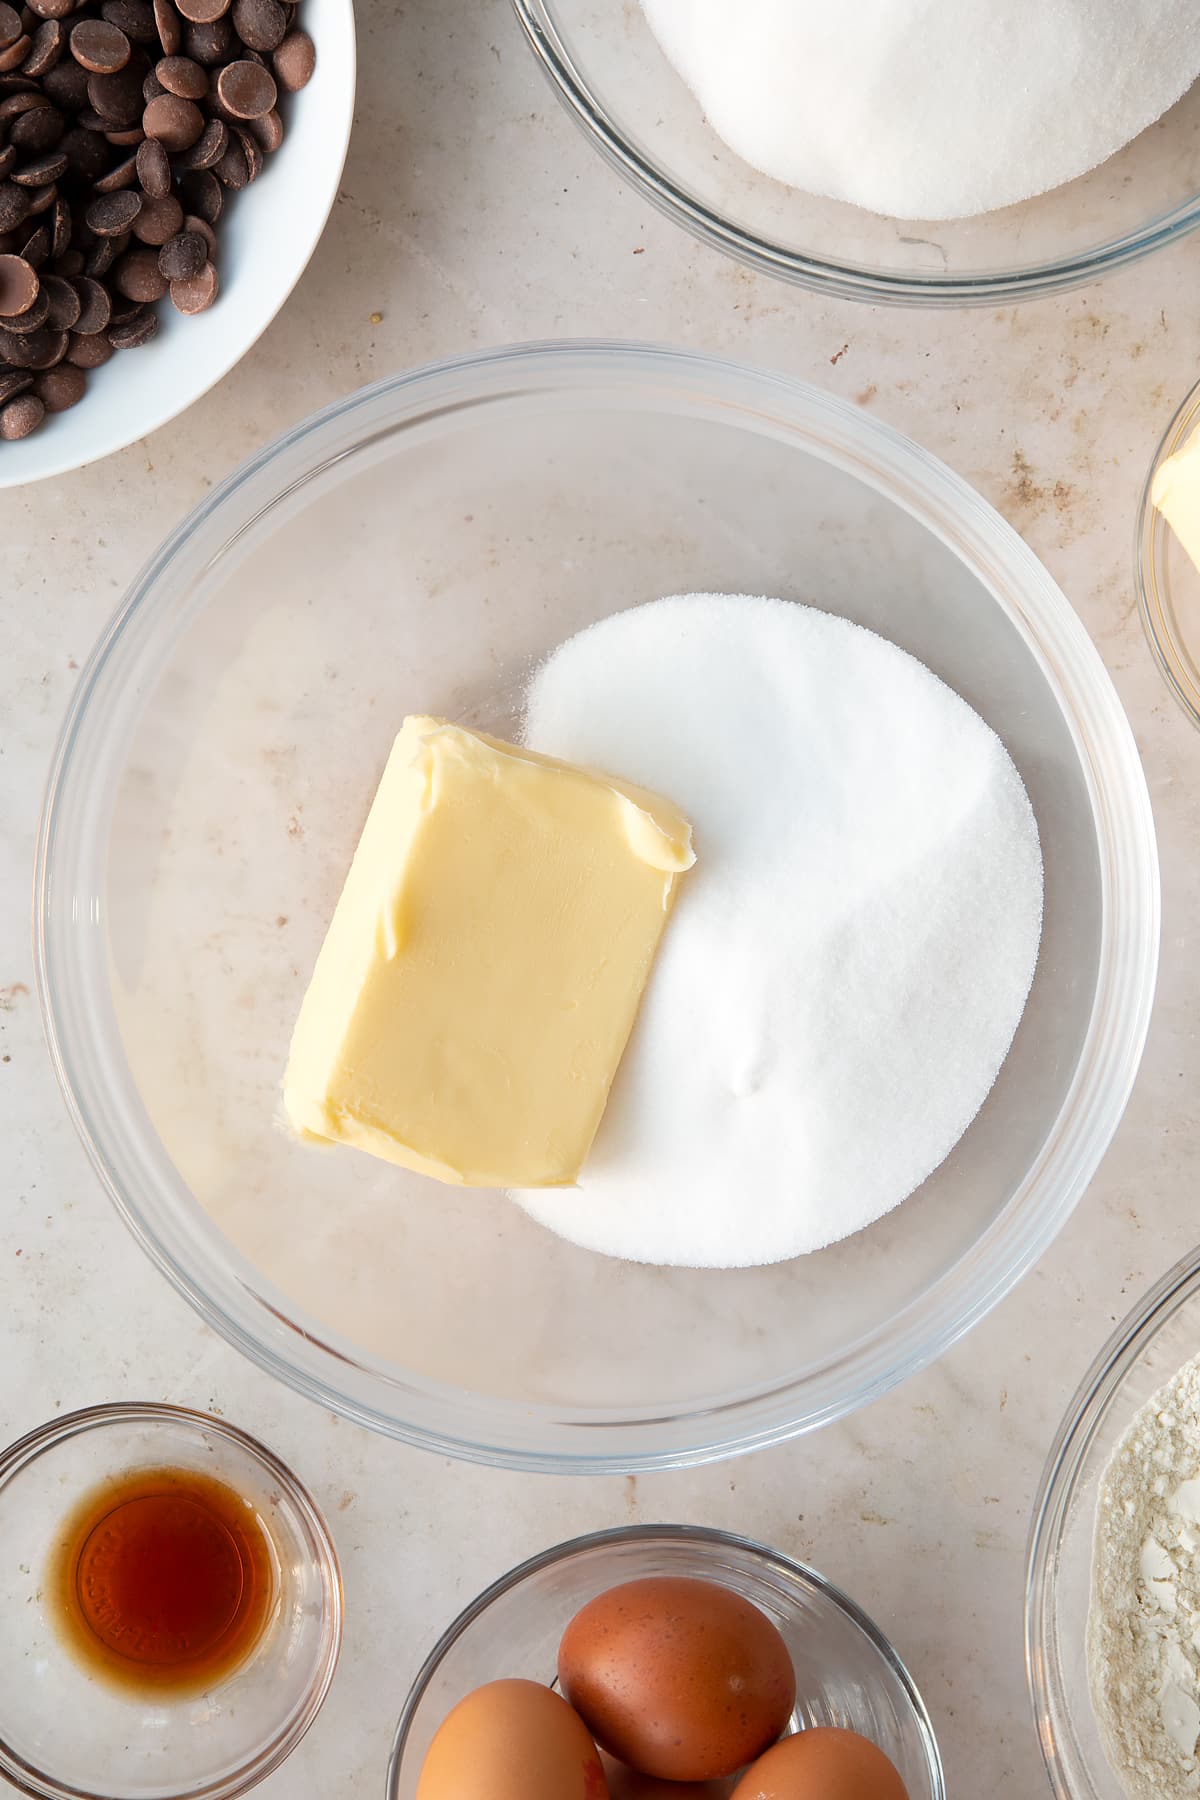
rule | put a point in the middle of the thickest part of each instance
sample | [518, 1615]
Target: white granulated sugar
[848, 960]
[930, 109]
[1144, 1621]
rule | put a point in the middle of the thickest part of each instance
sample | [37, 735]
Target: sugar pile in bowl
[930, 109]
[851, 955]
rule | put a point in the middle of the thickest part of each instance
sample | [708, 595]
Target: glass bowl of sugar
[1096, 1700]
[420, 548]
[925, 158]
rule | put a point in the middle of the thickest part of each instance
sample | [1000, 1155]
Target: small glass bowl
[613, 78]
[67, 1736]
[847, 1673]
[1168, 582]
[1154, 1340]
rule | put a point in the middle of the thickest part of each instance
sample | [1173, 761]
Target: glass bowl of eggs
[419, 549]
[894, 163]
[666, 1662]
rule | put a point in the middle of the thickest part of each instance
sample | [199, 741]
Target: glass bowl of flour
[423, 547]
[1114, 1563]
[920, 154]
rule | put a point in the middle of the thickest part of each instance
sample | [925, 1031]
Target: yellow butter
[484, 965]
[1176, 494]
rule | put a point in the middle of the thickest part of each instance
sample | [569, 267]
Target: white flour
[1144, 1622]
[847, 962]
[930, 109]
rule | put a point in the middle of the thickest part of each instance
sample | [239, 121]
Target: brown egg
[682, 1679]
[512, 1740]
[625, 1783]
[822, 1764]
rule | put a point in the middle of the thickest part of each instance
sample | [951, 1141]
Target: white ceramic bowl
[264, 243]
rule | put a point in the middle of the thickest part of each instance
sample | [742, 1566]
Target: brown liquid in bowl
[163, 1581]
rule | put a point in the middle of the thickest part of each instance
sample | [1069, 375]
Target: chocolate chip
[203, 12]
[180, 75]
[294, 61]
[45, 47]
[99, 47]
[112, 214]
[88, 352]
[197, 292]
[245, 90]
[19, 285]
[183, 257]
[134, 17]
[37, 246]
[14, 206]
[158, 220]
[25, 351]
[14, 381]
[13, 105]
[44, 169]
[66, 85]
[210, 44]
[232, 170]
[61, 387]
[8, 157]
[170, 26]
[10, 26]
[118, 97]
[174, 123]
[208, 149]
[203, 229]
[64, 303]
[261, 24]
[29, 318]
[86, 153]
[253, 152]
[15, 55]
[37, 130]
[121, 175]
[153, 169]
[52, 347]
[20, 417]
[95, 306]
[202, 194]
[137, 276]
[138, 329]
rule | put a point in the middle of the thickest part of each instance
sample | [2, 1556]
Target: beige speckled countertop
[472, 213]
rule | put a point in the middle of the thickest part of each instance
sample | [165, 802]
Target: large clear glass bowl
[847, 1674]
[1156, 1338]
[415, 548]
[616, 82]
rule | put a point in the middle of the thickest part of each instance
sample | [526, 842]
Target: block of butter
[484, 965]
[1176, 494]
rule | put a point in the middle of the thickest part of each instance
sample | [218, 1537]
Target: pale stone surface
[472, 213]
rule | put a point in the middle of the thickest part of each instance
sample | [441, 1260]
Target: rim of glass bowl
[1086, 1413]
[797, 1573]
[1150, 555]
[16, 1457]
[850, 281]
[85, 1045]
